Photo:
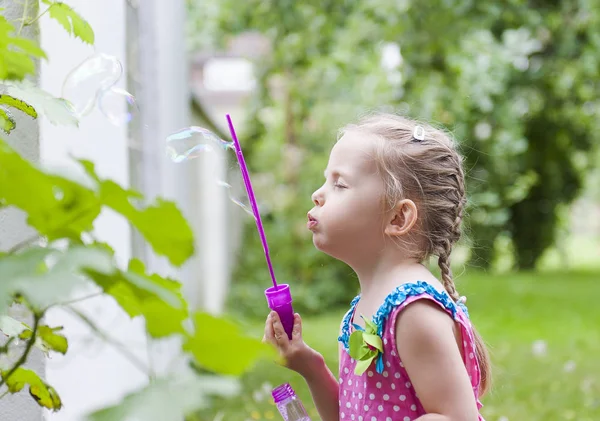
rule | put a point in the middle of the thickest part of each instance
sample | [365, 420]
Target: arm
[324, 389]
[428, 348]
[307, 362]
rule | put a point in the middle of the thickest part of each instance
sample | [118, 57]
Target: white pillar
[93, 374]
[13, 230]
[159, 80]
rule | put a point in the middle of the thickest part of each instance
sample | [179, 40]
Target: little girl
[393, 195]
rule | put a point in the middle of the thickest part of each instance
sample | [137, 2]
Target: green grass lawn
[543, 331]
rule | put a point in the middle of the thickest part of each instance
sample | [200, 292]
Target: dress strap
[396, 298]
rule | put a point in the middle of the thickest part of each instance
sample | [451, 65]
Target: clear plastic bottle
[288, 404]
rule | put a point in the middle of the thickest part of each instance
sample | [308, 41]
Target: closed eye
[339, 186]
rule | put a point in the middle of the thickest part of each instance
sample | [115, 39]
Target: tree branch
[28, 348]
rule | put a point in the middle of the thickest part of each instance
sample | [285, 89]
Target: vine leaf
[19, 105]
[172, 237]
[216, 345]
[69, 19]
[42, 284]
[158, 300]
[58, 111]
[7, 121]
[168, 398]
[16, 54]
[52, 340]
[57, 207]
[12, 327]
[44, 394]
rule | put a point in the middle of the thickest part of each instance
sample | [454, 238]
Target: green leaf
[171, 398]
[16, 53]
[56, 206]
[19, 105]
[157, 299]
[362, 366]
[26, 273]
[69, 19]
[52, 340]
[373, 340]
[172, 237]
[43, 394]
[12, 327]
[370, 327]
[217, 343]
[357, 346]
[58, 111]
[7, 121]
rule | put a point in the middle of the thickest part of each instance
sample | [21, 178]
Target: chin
[327, 248]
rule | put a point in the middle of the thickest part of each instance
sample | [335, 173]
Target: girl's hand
[297, 356]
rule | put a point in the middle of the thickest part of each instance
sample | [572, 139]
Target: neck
[385, 267]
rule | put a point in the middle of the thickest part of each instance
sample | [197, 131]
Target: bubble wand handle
[252, 199]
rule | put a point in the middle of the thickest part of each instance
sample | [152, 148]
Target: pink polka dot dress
[384, 392]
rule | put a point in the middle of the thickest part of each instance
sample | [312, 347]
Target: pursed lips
[312, 222]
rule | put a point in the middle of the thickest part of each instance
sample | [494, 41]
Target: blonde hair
[428, 170]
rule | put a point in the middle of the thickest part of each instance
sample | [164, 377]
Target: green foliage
[171, 238]
[169, 398]
[58, 111]
[17, 54]
[73, 23]
[44, 394]
[63, 257]
[52, 340]
[216, 345]
[513, 83]
[7, 121]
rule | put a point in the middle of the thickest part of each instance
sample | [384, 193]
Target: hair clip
[462, 300]
[419, 133]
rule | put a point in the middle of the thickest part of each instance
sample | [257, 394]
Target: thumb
[297, 329]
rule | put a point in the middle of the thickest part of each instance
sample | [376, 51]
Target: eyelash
[339, 186]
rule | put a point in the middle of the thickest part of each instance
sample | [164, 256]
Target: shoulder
[423, 322]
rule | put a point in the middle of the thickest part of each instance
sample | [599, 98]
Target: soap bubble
[191, 142]
[83, 84]
[118, 105]
[218, 157]
[240, 199]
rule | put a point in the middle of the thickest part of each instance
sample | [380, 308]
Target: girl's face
[348, 217]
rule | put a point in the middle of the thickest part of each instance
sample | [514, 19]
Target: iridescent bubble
[118, 105]
[239, 199]
[83, 84]
[191, 142]
[216, 155]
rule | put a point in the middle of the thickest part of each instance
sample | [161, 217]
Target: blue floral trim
[345, 334]
[394, 299]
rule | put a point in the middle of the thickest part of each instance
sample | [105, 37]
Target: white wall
[13, 230]
[92, 374]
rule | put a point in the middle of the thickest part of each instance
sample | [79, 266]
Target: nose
[317, 197]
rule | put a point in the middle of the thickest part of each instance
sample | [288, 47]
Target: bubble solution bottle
[288, 404]
[280, 300]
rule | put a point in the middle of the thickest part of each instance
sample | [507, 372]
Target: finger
[279, 334]
[268, 336]
[297, 329]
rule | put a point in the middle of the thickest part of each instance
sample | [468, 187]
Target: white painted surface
[92, 374]
[13, 230]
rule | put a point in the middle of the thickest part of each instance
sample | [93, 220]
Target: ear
[403, 218]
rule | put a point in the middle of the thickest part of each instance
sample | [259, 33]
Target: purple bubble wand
[250, 191]
[278, 297]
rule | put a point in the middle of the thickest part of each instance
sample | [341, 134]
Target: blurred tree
[515, 83]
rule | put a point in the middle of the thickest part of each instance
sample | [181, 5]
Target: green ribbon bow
[364, 346]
